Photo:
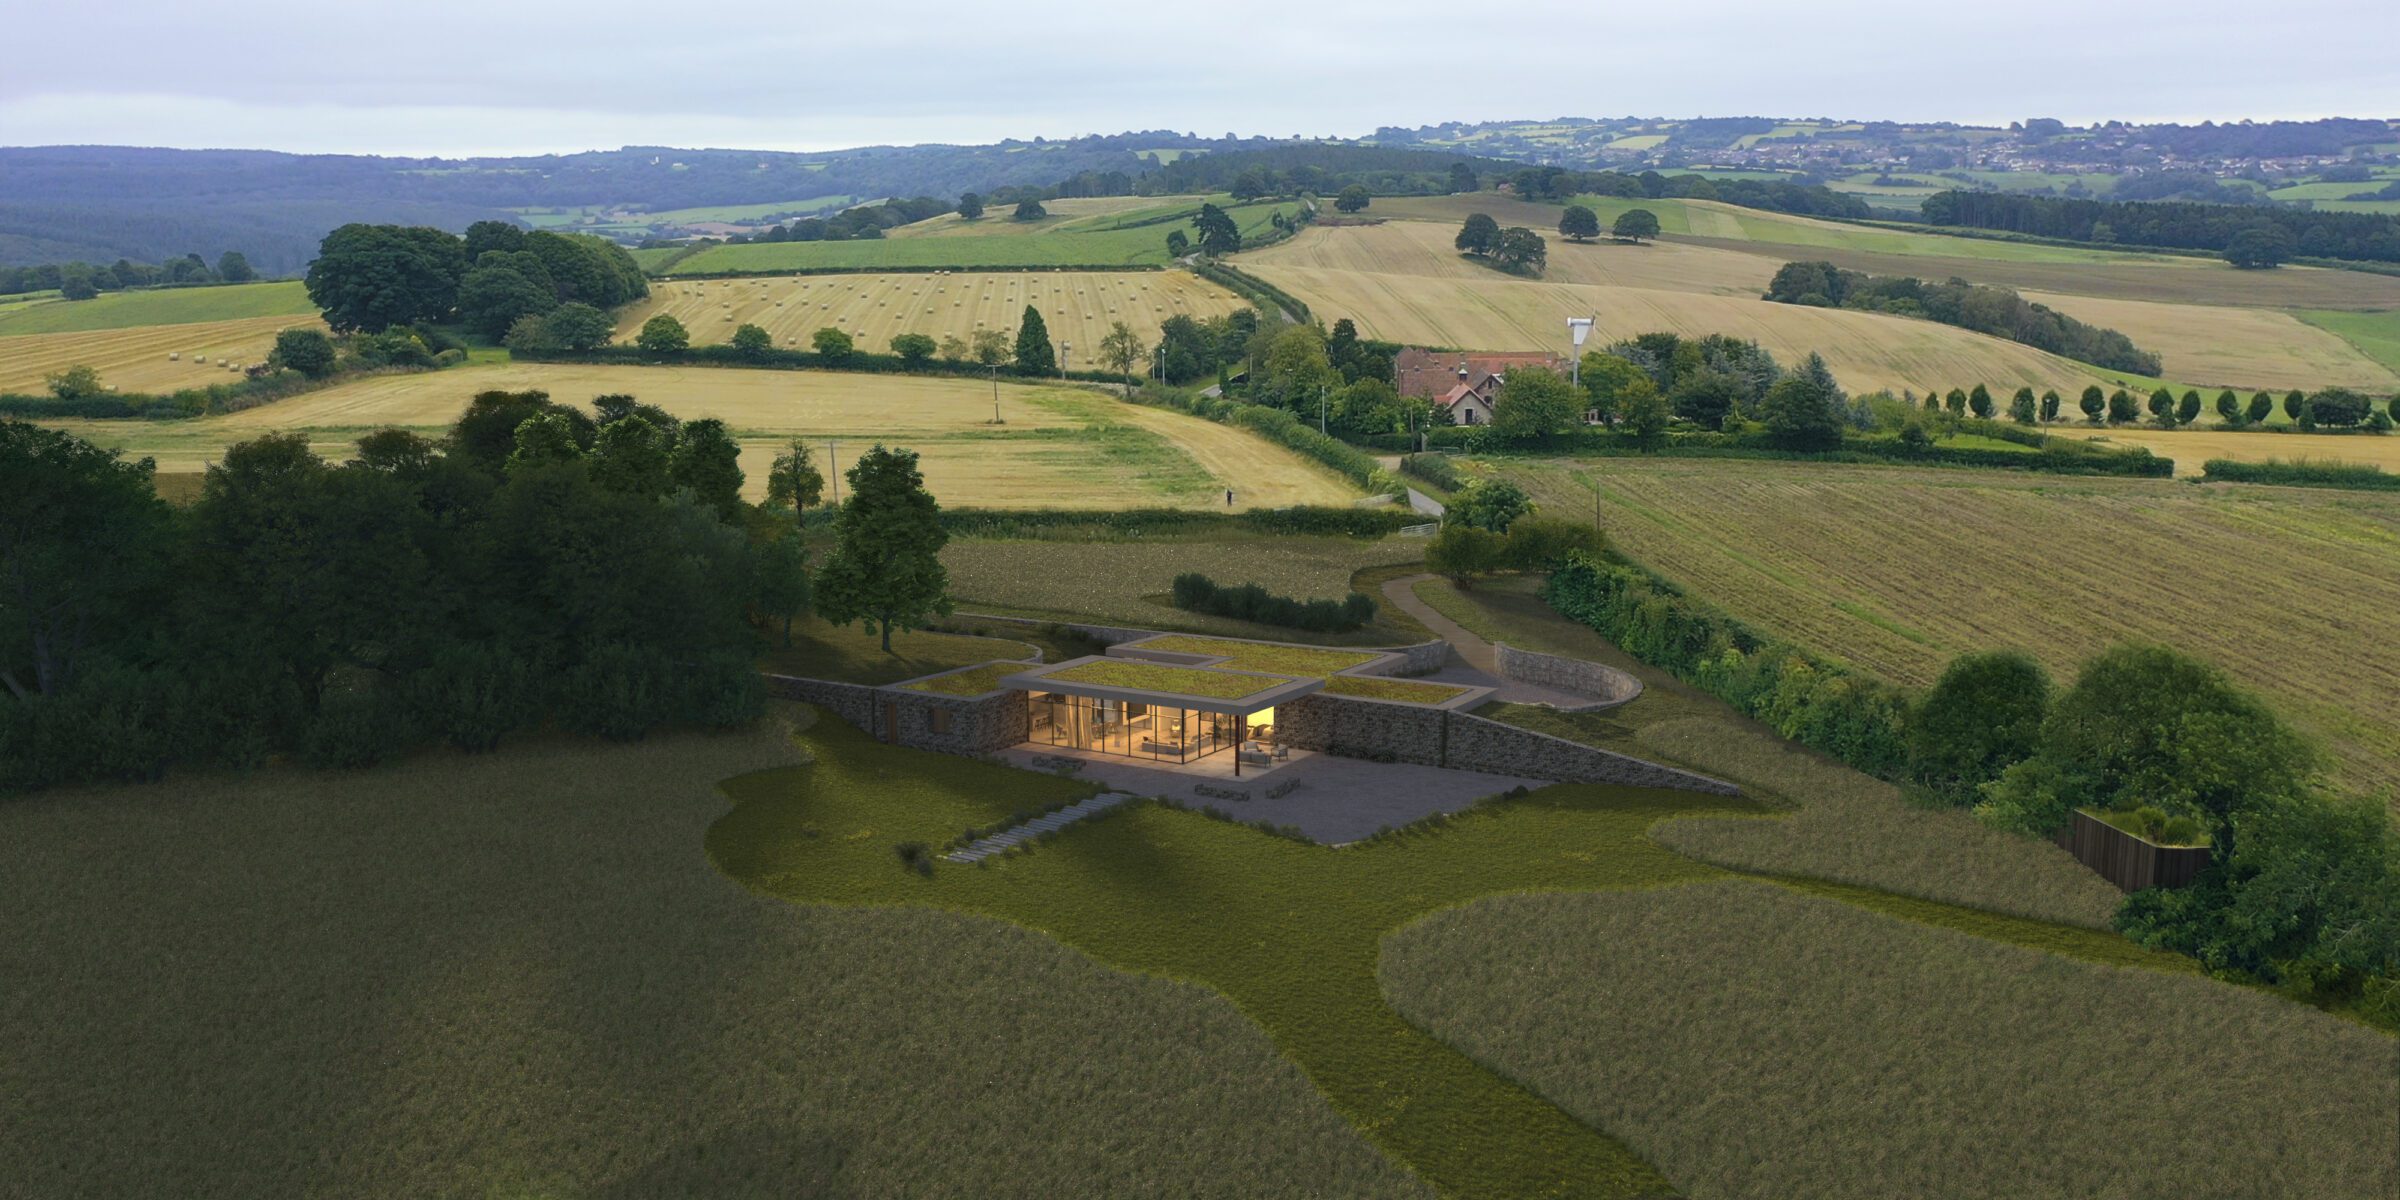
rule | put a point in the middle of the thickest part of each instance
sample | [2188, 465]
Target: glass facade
[1129, 727]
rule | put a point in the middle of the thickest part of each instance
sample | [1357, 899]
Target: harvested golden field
[1058, 446]
[1077, 306]
[2294, 592]
[1425, 248]
[137, 358]
[1866, 350]
[2192, 448]
[2214, 346]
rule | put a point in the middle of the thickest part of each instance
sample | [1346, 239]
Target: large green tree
[1579, 224]
[1217, 234]
[794, 482]
[1534, 406]
[578, 326]
[885, 568]
[1799, 415]
[708, 461]
[1982, 717]
[1480, 234]
[663, 334]
[83, 552]
[1035, 354]
[1634, 224]
[492, 297]
[1352, 199]
[372, 277]
[1120, 349]
[307, 351]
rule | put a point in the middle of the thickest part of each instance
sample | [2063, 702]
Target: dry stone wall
[852, 702]
[979, 725]
[1479, 744]
[1356, 728]
[1607, 686]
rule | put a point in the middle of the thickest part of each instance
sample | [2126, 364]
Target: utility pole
[1063, 349]
[833, 469]
[1320, 408]
[995, 392]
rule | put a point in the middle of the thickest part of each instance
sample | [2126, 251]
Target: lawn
[1128, 582]
[1251, 656]
[1291, 932]
[1754, 1042]
[1064, 243]
[1897, 570]
[516, 975]
[1077, 307]
[974, 681]
[1376, 687]
[849, 654]
[1156, 677]
[1059, 446]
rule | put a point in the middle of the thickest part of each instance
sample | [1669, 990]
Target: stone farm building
[1463, 383]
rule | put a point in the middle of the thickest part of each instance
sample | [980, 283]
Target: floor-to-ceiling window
[1128, 727]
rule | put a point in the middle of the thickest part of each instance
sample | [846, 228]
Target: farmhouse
[1464, 384]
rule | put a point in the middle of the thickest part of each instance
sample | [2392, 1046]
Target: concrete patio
[1333, 799]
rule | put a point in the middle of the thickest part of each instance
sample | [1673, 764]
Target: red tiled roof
[1433, 373]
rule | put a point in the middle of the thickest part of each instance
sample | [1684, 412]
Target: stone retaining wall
[1607, 686]
[977, 725]
[1424, 658]
[1479, 744]
[1356, 728]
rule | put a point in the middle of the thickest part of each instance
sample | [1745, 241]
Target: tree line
[2267, 234]
[2303, 888]
[850, 224]
[538, 565]
[1559, 184]
[82, 280]
[372, 277]
[1998, 311]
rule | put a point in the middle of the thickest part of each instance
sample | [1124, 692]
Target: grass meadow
[516, 975]
[1897, 570]
[1057, 446]
[1836, 824]
[1756, 1042]
[1076, 306]
[159, 306]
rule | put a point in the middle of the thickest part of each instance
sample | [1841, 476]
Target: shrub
[1194, 592]
[1435, 469]
[1463, 553]
[472, 695]
[358, 730]
[1489, 504]
[1540, 543]
[1983, 716]
[1855, 719]
[2301, 473]
[619, 692]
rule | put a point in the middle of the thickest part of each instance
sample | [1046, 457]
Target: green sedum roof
[1154, 677]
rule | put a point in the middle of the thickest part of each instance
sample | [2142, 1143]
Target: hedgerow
[2302, 473]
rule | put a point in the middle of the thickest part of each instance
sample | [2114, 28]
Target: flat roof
[1208, 689]
[1282, 658]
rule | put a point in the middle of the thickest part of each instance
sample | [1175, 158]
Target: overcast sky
[530, 76]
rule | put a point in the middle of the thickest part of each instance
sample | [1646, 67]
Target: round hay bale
[174, 355]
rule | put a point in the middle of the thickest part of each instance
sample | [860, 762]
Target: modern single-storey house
[1465, 385]
[1186, 701]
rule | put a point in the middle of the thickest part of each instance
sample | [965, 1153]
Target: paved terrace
[1334, 800]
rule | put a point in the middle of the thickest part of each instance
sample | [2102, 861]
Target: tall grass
[1755, 1042]
[517, 975]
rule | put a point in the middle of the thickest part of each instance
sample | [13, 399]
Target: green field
[1113, 243]
[516, 975]
[1751, 1041]
[160, 306]
[1895, 571]
[1128, 583]
[2376, 334]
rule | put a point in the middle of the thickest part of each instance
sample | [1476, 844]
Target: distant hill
[100, 203]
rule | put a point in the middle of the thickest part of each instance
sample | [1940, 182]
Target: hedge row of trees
[82, 280]
[1985, 309]
[2304, 888]
[864, 221]
[1558, 184]
[372, 277]
[2273, 233]
[1195, 592]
